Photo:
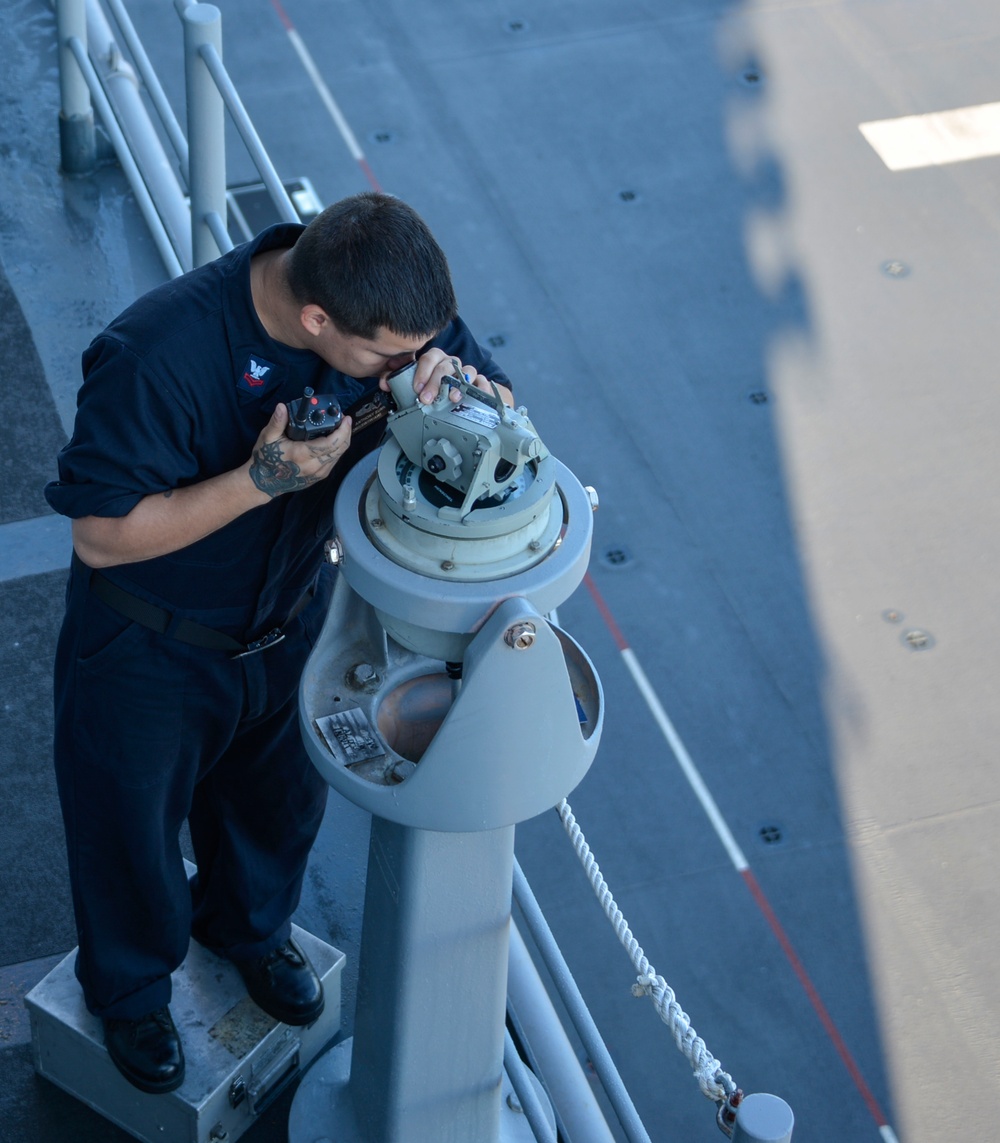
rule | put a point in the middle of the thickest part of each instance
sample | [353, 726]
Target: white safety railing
[184, 201]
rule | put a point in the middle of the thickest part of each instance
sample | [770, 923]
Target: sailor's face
[367, 357]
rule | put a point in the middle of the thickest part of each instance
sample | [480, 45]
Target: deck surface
[775, 359]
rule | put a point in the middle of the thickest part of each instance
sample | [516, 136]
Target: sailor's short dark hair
[370, 262]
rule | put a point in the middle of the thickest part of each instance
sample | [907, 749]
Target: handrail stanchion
[77, 138]
[763, 1119]
[206, 119]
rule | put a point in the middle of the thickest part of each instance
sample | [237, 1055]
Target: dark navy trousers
[149, 732]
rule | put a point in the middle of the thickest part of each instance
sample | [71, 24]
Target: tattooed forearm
[275, 475]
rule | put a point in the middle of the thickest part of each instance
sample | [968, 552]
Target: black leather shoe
[284, 984]
[147, 1051]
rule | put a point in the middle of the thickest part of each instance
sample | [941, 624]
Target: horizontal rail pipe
[161, 104]
[219, 232]
[158, 98]
[526, 1094]
[283, 204]
[577, 1009]
[158, 172]
[132, 172]
[550, 1052]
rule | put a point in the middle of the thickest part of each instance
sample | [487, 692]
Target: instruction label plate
[351, 737]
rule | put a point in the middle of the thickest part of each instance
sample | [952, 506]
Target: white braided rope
[713, 1081]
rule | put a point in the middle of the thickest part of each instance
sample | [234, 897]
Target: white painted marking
[684, 760]
[707, 801]
[324, 93]
[936, 138]
[30, 547]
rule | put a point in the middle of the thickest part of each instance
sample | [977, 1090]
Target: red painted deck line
[814, 998]
[325, 94]
[739, 861]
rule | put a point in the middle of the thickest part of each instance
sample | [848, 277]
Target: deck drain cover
[616, 556]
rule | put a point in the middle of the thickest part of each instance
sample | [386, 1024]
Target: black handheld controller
[311, 416]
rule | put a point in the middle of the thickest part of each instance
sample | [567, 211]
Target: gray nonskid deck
[774, 358]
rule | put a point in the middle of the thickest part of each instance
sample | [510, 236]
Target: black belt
[165, 622]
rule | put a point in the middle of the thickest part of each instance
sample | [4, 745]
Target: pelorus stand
[441, 699]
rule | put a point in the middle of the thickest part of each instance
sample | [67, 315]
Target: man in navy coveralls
[195, 596]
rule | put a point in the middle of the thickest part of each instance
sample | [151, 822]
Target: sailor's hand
[436, 368]
[279, 465]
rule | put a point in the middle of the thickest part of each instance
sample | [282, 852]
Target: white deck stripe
[936, 138]
[701, 791]
[685, 762]
[324, 93]
[31, 547]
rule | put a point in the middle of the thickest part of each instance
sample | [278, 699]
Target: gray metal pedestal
[323, 1110]
[432, 987]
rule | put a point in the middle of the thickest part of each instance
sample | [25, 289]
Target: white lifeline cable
[713, 1081]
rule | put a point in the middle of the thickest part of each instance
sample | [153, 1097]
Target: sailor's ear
[314, 319]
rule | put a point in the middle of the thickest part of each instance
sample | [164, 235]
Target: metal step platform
[239, 1059]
